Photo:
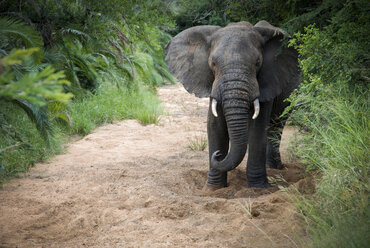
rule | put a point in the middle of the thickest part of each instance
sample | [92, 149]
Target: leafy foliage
[32, 90]
[34, 87]
[75, 48]
[277, 12]
[335, 62]
[85, 36]
[206, 12]
[12, 29]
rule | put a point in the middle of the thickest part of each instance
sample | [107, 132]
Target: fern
[122, 56]
[12, 28]
[75, 32]
[38, 115]
[33, 89]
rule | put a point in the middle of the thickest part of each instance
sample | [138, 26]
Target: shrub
[335, 62]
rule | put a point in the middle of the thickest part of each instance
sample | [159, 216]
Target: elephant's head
[238, 66]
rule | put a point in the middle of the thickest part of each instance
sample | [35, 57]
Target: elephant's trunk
[236, 104]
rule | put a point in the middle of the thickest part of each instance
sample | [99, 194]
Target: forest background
[67, 67]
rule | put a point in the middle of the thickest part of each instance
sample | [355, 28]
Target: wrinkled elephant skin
[248, 73]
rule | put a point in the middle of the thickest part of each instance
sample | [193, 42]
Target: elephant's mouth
[256, 104]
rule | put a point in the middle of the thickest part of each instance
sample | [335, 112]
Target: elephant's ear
[280, 70]
[187, 58]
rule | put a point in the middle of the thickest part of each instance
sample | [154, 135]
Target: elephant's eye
[258, 63]
[213, 63]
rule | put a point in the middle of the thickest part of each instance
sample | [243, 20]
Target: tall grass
[31, 146]
[111, 104]
[335, 114]
[338, 145]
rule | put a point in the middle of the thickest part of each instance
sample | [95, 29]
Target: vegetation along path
[128, 185]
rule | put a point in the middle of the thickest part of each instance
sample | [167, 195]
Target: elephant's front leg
[218, 139]
[256, 167]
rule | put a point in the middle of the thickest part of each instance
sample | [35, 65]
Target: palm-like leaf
[122, 56]
[12, 28]
[57, 110]
[33, 89]
[75, 32]
[38, 115]
[18, 29]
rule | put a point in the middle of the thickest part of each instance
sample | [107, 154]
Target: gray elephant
[247, 74]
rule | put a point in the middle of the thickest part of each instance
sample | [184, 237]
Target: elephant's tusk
[256, 108]
[214, 105]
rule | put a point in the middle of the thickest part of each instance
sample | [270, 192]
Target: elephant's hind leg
[274, 132]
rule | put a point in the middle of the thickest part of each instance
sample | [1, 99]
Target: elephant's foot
[278, 166]
[274, 164]
[262, 185]
[211, 187]
[216, 180]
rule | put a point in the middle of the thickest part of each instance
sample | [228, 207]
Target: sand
[129, 185]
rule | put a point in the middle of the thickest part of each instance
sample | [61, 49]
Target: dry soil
[129, 185]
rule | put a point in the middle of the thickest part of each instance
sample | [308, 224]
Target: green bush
[335, 115]
[21, 144]
[35, 87]
[106, 53]
[205, 12]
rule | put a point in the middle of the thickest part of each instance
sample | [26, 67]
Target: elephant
[247, 72]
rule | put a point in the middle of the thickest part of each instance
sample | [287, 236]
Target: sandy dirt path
[128, 185]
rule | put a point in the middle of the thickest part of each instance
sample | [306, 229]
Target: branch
[24, 18]
[11, 147]
[35, 6]
[300, 104]
[196, 19]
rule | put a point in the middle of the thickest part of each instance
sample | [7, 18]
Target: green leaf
[12, 28]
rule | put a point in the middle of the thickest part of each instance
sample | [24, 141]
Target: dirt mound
[128, 185]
